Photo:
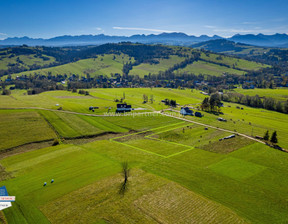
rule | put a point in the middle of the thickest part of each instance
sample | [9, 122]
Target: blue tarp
[3, 191]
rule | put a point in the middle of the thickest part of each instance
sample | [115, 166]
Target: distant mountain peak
[174, 38]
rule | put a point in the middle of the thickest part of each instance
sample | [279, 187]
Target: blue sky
[49, 18]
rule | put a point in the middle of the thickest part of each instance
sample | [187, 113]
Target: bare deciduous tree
[125, 173]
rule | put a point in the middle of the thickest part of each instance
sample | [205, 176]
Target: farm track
[157, 112]
[70, 112]
[221, 129]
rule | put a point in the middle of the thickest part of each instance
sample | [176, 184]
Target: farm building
[186, 111]
[121, 108]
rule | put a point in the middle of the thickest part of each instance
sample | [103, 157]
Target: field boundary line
[78, 113]
[134, 147]
[167, 130]
[178, 153]
[51, 126]
[147, 130]
[155, 139]
[220, 129]
[169, 142]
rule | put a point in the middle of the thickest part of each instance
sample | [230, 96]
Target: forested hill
[149, 58]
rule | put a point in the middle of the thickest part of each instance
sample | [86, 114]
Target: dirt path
[117, 115]
[209, 126]
[77, 113]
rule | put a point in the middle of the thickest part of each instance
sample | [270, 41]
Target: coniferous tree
[274, 137]
[266, 136]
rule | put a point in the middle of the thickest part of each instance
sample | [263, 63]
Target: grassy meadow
[102, 65]
[26, 60]
[177, 168]
[280, 94]
[233, 62]
[164, 64]
[201, 67]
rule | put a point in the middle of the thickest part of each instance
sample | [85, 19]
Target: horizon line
[190, 35]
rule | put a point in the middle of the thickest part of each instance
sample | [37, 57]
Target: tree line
[267, 103]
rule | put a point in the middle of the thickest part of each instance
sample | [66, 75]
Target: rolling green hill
[203, 67]
[19, 59]
[107, 60]
[230, 47]
[102, 65]
[163, 65]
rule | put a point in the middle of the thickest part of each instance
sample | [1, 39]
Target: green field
[280, 94]
[205, 68]
[231, 61]
[27, 60]
[21, 127]
[102, 98]
[179, 171]
[102, 65]
[164, 64]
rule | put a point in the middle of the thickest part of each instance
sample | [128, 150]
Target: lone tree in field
[145, 98]
[125, 173]
[266, 136]
[151, 99]
[274, 137]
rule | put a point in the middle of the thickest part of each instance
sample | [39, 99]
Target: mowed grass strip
[172, 203]
[21, 127]
[142, 123]
[158, 147]
[71, 125]
[149, 199]
[236, 168]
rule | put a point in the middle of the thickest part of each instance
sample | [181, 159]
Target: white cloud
[250, 23]
[210, 27]
[143, 29]
[236, 30]
[253, 30]
[3, 36]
